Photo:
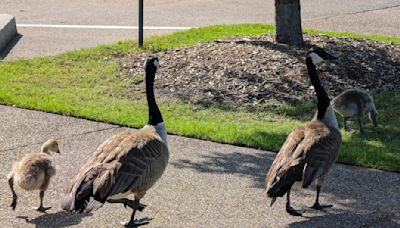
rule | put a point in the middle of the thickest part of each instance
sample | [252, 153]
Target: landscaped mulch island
[253, 69]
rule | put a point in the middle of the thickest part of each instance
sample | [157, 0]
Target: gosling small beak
[58, 152]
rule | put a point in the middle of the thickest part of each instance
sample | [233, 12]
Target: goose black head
[152, 64]
[319, 55]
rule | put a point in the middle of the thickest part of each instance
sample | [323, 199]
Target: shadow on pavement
[360, 197]
[348, 219]
[58, 219]
[253, 166]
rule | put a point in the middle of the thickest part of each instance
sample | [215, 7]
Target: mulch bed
[251, 70]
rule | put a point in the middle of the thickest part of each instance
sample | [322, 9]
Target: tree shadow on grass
[378, 148]
[58, 219]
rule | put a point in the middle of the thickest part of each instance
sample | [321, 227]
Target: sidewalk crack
[68, 136]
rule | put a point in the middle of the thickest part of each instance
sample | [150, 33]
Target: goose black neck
[155, 116]
[323, 99]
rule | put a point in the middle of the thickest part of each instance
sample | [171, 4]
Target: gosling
[355, 103]
[33, 172]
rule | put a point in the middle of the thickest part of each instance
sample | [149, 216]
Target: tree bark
[288, 22]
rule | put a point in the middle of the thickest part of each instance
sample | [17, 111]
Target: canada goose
[33, 172]
[354, 102]
[310, 150]
[126, 163]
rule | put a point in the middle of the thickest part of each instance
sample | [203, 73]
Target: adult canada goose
[354, 102]
[33, 172]
[309, 151]
[127, 163]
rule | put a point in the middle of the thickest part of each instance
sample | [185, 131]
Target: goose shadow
[57, 219]
[361, 197]
[348, 219]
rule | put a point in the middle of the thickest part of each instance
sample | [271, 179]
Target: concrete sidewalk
[206, 184]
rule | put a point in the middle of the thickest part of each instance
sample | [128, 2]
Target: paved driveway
[367, 16]
[206, 184]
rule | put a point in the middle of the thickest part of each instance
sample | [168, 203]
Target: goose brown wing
[131, 170]
[283, 172]
[124, 165]
[321, 147]
[307, 153]
[120, 163]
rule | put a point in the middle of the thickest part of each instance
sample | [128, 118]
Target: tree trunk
[288, 22]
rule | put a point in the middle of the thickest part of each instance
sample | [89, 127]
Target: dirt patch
[251, 70]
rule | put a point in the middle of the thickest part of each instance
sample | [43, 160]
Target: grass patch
[382, 38]
[85, 83]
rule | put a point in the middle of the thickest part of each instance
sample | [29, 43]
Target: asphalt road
[367, 16]
[205, 185]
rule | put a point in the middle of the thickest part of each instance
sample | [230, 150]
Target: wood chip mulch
[250, 70]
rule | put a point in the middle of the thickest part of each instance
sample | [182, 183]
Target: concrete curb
[8, 29]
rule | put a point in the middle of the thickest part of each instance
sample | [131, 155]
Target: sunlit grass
[86, 83]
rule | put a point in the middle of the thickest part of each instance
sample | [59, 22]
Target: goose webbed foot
[41, 209]
[320, 207]
[293, 212]
[136, 222]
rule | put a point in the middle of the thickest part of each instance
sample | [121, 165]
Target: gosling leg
[360, 123]
[13, 205]
[345, 123]
[41, 208]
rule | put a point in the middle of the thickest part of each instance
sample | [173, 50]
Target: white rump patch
[162, 131]
[315, 58]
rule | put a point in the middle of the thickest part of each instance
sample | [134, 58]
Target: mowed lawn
[87, 83]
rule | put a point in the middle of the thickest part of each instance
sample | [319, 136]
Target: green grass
[382, 38]
[86, 83]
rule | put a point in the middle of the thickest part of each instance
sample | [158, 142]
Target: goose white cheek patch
[156, 64]
[315, 58]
